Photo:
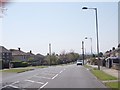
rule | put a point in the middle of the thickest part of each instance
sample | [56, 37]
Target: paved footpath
[112, 72]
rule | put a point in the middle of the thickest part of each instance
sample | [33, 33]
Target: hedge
[19, 64]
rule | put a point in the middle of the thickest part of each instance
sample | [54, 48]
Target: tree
[54, 59]
[118, 45]
[94, 55]
[113, 48]
[100, 54]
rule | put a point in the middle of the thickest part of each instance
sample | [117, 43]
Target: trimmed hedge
[19, 64]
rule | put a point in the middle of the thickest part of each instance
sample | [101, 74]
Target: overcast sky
[33, 25]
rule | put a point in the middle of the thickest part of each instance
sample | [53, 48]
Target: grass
[37, 67]
[102, 75]
[113, 85]
[87, 66]
[23, 69]
[17, 70]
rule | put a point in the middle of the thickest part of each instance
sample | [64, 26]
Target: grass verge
[16, 70]
[24, 69]
[113, 85]
[87, 66]
[102, 75]
[36, 67]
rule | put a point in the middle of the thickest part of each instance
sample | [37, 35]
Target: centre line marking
[64, 69]
[44, 85]
[61, 71]
[55, 76]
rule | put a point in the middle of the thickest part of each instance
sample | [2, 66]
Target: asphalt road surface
[67, 76]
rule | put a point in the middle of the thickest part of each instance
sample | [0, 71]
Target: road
[67, 76]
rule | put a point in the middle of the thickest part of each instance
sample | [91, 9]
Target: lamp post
[91, 44]
[96, 34]
[83, 51]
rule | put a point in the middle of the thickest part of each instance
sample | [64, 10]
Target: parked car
[79, 62]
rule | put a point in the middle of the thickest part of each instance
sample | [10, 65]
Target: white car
[79, 62]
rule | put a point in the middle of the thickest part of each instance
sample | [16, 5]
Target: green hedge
[19, 64]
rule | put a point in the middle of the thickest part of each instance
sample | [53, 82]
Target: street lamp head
[84, 8]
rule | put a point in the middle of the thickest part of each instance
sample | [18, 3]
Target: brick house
[113, 59]
[34, 59]
[5, 57]
[18, 55]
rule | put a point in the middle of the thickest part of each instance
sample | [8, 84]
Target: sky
[33, 25]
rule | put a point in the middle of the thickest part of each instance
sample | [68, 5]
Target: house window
[115, 60]
[3, 54]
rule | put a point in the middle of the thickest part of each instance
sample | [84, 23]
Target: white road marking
[44, 85]
[61, 71]
[87, 69]
[16, 82]
[48, 73]
[5, 86]
[34, 81]
[13, 86]
[30, 81]
[55, 76]
[42, 77]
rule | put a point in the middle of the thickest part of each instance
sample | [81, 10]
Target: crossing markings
[34, 81]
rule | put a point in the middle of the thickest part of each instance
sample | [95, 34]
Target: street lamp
[83, 51]
[91, 43]
[96, 34]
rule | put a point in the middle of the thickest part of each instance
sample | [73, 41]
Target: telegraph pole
[50, 53]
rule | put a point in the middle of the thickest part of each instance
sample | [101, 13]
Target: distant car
[79, 62]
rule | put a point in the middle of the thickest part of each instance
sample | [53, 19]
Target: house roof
[118, 49]
[3, 49]
[30, 54]
[17, 52]
[39, 55]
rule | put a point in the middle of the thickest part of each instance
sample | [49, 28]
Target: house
[117, 52]
[18, 55]
[39, 59]
[30, 56]
[34, 59]
[5, 57]
[113, 61]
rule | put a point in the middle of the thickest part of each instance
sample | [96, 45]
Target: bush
[24, 64]
[19, 64]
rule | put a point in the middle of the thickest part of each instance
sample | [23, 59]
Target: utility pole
[50, 53]
[83, 51]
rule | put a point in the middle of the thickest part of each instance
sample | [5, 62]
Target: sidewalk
[112, 72]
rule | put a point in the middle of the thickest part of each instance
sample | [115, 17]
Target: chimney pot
[30, 51]
[19, 49]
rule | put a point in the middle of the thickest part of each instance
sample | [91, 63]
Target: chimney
[19, 49]
[30, 51]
